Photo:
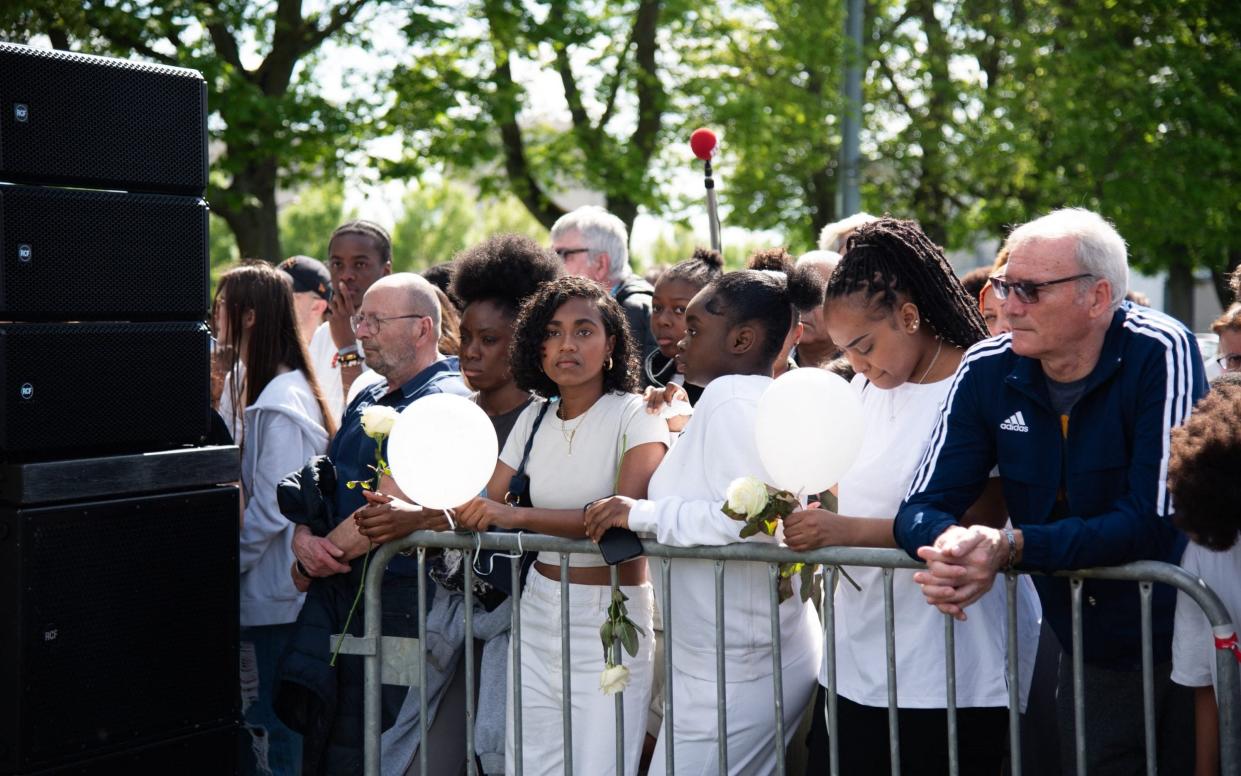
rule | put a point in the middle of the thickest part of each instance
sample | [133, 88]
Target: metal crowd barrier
[1146, 573]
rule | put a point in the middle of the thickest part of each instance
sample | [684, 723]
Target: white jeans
[591, 712]
[750, 705]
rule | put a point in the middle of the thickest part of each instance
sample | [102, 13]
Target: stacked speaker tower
[118, 542]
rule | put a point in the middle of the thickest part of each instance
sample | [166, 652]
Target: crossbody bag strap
[534, 429]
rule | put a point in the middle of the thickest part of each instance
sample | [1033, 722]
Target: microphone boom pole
[703, 143]
[713, 215]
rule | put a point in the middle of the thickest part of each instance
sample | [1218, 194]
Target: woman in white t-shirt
[280, 418]
[572, 347]
[1202, 477]
[904, 322]
[735, 328]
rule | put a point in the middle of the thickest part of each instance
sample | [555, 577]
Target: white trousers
[592, 713]
[751, 732]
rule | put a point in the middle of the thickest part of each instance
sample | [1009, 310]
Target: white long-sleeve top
[684, 508]
[283, 428]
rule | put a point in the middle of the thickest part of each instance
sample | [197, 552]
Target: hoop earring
[609, 363]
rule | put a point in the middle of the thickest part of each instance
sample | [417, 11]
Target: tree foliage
[440, 219]
[461, 100]
[998, 110]
[977, 113]
[767, 76]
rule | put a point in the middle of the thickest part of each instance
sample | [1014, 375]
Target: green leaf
[809, 582]
[629, 638]
[605, 635]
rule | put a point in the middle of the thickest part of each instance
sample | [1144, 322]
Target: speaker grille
[129, 622]
[92, 121]
[71, 253]
[103, 387]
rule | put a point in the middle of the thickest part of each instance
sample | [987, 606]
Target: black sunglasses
[1026, 291]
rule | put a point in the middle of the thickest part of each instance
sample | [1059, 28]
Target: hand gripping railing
[1146, 573]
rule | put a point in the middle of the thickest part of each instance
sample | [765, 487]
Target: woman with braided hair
[904, 321]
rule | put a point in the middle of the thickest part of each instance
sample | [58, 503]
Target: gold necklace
[893, 408]
[569, 433]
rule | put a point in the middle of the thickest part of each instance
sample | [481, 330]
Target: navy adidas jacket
[1095, 495]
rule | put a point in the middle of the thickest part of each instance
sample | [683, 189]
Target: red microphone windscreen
[703, 141]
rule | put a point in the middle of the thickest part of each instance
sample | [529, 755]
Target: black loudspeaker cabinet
[102, 387]
[72, 254]
[118, 626]
[91, 121]
[211, 752]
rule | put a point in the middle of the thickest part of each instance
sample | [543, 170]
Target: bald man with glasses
[1075, 407]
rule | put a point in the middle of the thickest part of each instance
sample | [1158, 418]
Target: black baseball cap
[308, 274]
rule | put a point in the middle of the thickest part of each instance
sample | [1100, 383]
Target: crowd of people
[1027, 416]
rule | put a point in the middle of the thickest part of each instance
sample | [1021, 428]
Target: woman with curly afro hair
[587, 439]
[1203, 479]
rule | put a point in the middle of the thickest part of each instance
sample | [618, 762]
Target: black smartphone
[618, 545]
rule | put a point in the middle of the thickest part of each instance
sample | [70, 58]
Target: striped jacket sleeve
[958, 462]
[1138, 525]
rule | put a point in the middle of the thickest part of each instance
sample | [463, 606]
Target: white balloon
[808, 430]
[442, 451]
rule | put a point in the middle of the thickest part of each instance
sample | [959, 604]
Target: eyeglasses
[565, 253]
[1026, 291]
[1229, 362]
[373, 322]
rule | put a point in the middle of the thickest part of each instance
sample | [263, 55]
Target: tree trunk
[1220, 278]
[625, 209]
[1179, 294]
[821, 194]
[249, 208]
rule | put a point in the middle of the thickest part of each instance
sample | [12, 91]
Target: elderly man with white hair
[815, 348]
[594, 244]
[1075, 407]
[834, 236]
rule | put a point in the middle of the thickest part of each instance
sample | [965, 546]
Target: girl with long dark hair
[280, 419]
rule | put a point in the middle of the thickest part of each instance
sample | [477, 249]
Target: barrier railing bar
[566, 683]
[1014, 680]
[1148, 678]
[620, 696]
[829, 632]
[470, 768]
[515, 640]
[1079, 683]
[665, 614]
[423, 743]
[721, 693]
[950, 694]
[1153, 571]
[372, 665]
[889, 627]
[777, 675]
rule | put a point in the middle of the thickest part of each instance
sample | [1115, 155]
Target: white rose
[377, 420]
[747, 496]
[614, 679]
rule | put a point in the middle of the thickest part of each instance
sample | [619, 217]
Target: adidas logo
[1015, 422]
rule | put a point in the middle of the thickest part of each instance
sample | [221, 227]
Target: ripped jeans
[266, 746]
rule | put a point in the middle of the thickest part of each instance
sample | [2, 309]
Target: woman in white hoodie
[281, 419]
[735, 328]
